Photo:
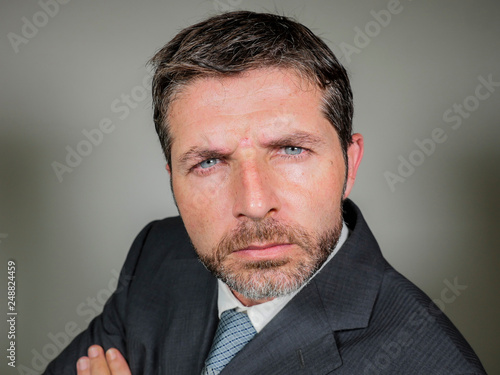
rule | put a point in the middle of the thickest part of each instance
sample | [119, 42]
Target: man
[254, 114]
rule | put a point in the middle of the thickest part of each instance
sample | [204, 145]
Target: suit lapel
[350, 283]
[190, 319]
[298, 340]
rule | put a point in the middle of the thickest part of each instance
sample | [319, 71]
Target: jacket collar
[350, 284]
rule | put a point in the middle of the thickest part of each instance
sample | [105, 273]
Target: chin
[267, 279]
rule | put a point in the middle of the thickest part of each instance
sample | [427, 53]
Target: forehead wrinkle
[222, 86]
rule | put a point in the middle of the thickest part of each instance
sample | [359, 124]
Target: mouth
[265, 251]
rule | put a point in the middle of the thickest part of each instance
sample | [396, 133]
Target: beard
[267, 279]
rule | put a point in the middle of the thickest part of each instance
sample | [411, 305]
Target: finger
[117, 364]
[83, 366]
[98, 364]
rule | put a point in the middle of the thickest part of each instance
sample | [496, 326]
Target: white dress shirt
[262, 314]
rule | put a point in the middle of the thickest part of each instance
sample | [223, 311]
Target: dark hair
[235, 42]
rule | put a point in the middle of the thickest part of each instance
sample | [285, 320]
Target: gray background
[69, 238]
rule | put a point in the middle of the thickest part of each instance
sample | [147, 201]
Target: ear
[168, 169]
[354, 156]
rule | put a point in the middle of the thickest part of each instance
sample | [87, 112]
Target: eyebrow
[298, 138]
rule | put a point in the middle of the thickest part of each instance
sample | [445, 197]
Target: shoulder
[166, 235]
[405, 331]
[158, 242]
[414, 334]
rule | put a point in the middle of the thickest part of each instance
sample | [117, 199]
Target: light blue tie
[234, 331]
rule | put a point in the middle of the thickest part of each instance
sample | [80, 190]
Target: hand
[98, 363]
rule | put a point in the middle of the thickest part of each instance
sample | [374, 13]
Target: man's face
[258, 176]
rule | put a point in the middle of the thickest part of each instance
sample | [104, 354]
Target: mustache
[263, 231]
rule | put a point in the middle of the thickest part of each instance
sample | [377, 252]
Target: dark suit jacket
[357, 316]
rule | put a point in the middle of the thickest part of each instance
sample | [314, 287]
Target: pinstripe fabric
[233, 332]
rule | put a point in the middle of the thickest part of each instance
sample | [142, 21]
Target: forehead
[243, 93]
[259, 102]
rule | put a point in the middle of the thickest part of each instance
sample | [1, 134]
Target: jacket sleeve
[107, 329]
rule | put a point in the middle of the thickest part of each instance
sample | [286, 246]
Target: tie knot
[235, 330]
[233, 321]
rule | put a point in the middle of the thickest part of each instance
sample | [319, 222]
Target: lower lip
[267, 253]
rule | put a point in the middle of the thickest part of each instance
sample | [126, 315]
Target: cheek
[313, 196]
[315, 184]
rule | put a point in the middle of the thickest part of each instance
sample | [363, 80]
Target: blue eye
[208, 163]
[293, 150]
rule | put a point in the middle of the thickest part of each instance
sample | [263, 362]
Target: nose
[254, 192]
